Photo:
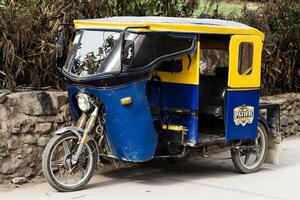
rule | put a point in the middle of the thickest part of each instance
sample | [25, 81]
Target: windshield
[99, 52]
[89, 51]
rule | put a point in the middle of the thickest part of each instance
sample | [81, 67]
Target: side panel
[176, 95]
[236, 80]
[242, 111]
[180, 95]
[180, 90]
[189, 74]
[131, 133]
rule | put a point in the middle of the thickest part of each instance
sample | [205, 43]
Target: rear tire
[238, 155]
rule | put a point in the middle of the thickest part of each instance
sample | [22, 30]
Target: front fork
[88, 124]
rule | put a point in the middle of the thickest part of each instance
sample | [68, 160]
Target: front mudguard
[79, 133]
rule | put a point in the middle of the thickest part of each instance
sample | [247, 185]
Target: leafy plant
[29, 27]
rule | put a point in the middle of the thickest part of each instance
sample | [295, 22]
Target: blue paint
[191, 122]
[130, 130]
[235, 99]
[176, 95]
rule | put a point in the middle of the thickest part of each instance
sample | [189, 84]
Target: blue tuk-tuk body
[159, 87]
[131, 130]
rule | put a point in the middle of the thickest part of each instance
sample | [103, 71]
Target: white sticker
[243, 115]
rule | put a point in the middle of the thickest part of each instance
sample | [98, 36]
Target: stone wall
[28, 119]
[289, 112]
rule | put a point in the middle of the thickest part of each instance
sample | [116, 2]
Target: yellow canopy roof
[170, 24]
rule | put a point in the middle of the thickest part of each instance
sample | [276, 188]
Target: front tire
[56, 162]
[242, 158]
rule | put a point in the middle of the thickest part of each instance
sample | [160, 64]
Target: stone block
[43, 141]
[58, 99]
[295, 129]
[5, 112]
[4, 152]
[43, 128]
[35, 103]
[3, 95]
[19, 180]
[29, 139]
[11, 166]
[13, 143]
[5, 132]
[284, 120]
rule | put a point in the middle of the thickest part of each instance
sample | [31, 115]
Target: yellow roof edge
[167, 27]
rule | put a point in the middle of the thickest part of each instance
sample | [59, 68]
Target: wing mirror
[127, 47]
[128, 52]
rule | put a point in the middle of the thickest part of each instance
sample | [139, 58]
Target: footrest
[172, 127]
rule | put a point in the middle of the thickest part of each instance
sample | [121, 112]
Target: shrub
[28, 28]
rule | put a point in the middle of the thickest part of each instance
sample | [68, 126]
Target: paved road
[197, 179]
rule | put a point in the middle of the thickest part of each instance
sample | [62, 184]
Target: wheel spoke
[257, 154]
[66, 176]
[247, 158]
[242, 153]
[80, 168]
[66, 148]
[57, 162]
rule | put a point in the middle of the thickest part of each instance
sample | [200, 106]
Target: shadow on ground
[162, 172]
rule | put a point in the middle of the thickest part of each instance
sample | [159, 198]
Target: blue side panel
[242, 110]
[180, 95]
[175, 95]
[131, 133]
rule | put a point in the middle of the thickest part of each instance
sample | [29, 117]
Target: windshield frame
[70, 59]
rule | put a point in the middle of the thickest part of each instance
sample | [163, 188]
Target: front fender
[78, 132]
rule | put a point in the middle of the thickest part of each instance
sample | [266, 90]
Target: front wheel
[57, 165]
[249, 155]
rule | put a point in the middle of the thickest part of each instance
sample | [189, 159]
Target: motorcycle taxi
[160, 87]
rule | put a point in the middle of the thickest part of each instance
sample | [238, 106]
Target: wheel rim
[61, 168]
[250, 159]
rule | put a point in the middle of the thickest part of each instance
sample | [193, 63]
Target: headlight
[83, 102]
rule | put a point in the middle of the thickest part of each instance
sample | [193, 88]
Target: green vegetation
[29, 27]
[224, 8]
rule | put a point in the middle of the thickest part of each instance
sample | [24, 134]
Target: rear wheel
[249, 155]
[57, 165]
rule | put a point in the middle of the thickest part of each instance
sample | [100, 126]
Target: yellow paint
[126, 101]
[168, 27]
[189, 74]
[174, 127]
[241, 89]
[235, 80]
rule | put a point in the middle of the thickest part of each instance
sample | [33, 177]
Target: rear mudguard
[78, 132]
[274, 142]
